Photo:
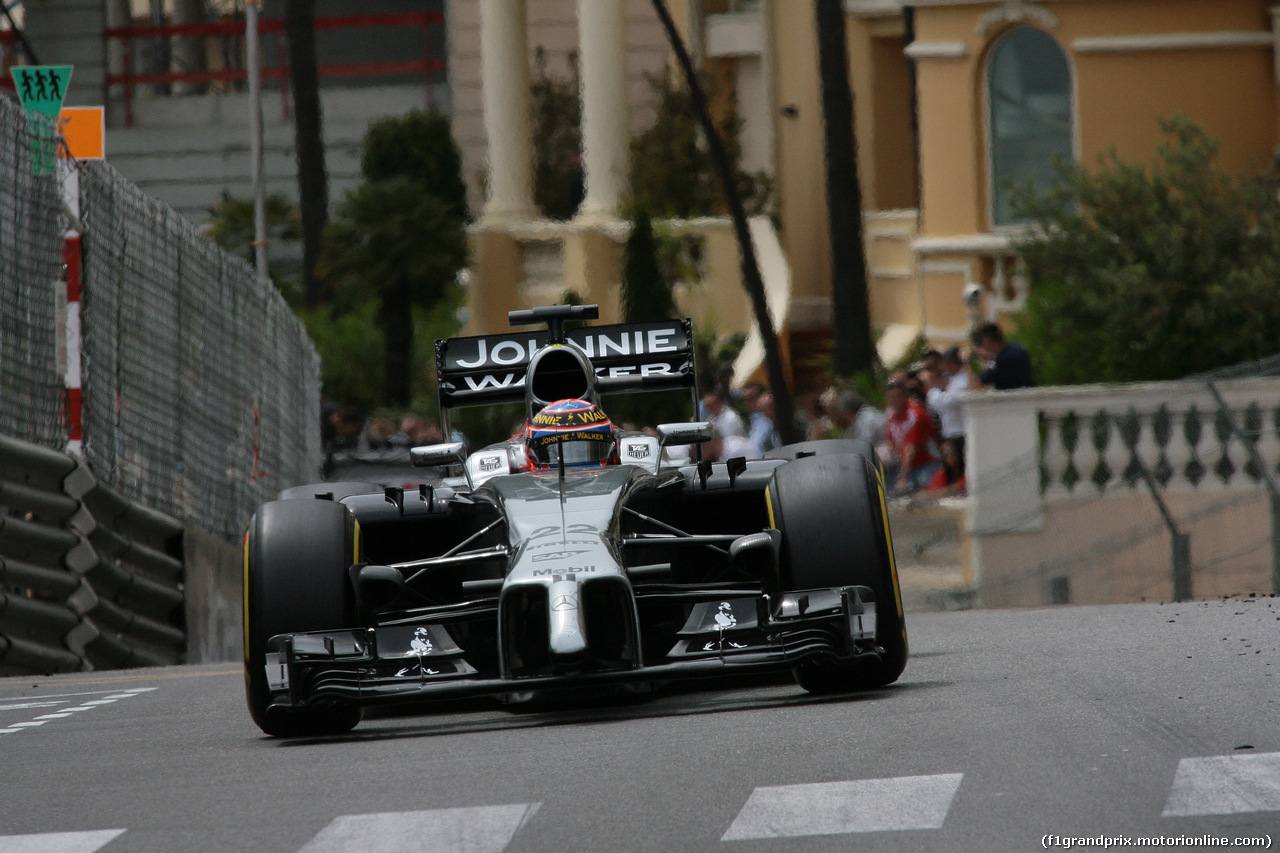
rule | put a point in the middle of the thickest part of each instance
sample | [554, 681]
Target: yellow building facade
[953, 100]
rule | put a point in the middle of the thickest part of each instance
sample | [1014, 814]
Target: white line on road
[837, 808]
[484, 829]
[58, 842]
[114, 696]
[1225, 784]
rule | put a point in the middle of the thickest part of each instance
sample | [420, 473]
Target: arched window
[1029, 103]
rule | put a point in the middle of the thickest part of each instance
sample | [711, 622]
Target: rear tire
[831, 512]
[297, 553]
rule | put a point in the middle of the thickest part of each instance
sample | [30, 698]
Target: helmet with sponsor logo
[575, 430]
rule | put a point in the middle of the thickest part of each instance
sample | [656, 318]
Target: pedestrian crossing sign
[41, 89]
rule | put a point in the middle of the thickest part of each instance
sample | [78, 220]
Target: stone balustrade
[1033, 447]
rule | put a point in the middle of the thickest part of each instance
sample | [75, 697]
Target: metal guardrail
[88, 579]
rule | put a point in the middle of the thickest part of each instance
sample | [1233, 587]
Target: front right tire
[297, 553]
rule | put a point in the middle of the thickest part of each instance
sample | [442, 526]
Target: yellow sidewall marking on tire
[893, 563]
[246, 606]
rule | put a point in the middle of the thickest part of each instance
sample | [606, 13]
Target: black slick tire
[297, 553]
[831, 512]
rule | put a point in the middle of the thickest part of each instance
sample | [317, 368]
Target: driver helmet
[576, 428]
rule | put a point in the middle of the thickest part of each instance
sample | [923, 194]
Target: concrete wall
[189, 151]
[1119, 550]
[69, 32]
[214, 598]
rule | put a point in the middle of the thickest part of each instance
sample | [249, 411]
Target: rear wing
[626, 357]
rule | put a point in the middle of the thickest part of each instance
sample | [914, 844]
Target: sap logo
[562, 543]
[563, 570]
[557, 555]
[490, 463]
[638, 451]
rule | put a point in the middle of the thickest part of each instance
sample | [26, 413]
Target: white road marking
[58, 842]
[1225, 784]
[22, 706]
[837, 808]
[111, 698]
[485, 829]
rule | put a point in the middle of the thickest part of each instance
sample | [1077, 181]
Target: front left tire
[297, 555]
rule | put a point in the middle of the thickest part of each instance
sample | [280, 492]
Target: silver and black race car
[539, 570]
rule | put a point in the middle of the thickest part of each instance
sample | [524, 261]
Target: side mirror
[677, 435]
[377, 586]
[681, 435]
[438, 455]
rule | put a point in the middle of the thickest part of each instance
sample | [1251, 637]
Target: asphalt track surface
[1121, 722]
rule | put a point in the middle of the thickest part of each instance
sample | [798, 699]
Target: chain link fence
[31, 236]
[201, 389]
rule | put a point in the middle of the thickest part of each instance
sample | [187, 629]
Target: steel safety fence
[31, 237]
[201, 387]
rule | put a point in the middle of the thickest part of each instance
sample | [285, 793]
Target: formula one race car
[574, 556]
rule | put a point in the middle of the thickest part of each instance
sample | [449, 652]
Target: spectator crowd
[919, 437]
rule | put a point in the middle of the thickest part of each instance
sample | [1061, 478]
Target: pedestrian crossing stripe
[484, 829]
[1218, 785]
[839, 808]
[59, 842]
[1225, 784]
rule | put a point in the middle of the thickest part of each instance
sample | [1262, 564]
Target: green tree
[417, 145]
[673, 175]
[1151, 274]
[557, 140]
[313, 177]
[400, 237]
[646, 295]
[231, 227]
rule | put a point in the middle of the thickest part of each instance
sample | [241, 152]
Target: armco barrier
[88, 580]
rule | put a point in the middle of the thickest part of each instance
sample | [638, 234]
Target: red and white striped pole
[71, 263]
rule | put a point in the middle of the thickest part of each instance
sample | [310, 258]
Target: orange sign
[84, 129]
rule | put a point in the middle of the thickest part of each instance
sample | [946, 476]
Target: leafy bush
[1151, 274]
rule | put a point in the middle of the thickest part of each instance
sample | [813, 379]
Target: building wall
[1120, 93]
[552, 26]
[801, 172]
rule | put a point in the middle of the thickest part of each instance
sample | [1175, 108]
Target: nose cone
[568, 640]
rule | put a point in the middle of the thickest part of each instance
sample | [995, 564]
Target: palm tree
[313, 181]
[784, 408]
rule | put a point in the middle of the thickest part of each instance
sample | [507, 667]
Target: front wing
[727, 632]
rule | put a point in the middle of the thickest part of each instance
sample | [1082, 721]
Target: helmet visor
[576, 451]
